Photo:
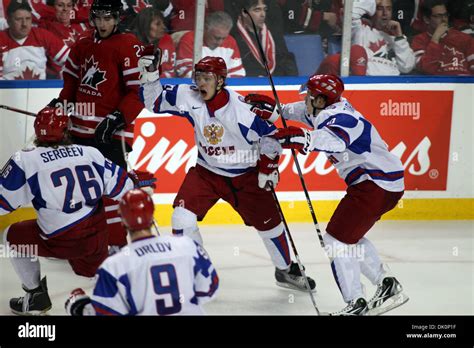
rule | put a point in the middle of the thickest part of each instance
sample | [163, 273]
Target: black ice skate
[389, 295]
[35, 302]
[292, 279]
[355, 307]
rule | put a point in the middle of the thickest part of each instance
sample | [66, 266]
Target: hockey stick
[300, 265]
[129, 167]
[293, 153]
[9, 108]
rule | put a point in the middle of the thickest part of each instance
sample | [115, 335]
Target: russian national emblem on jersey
[214, 133]
[92, 75]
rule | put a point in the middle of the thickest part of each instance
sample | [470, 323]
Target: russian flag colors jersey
[64, 185]
[156, 275]
[227, 139]
[351, 143]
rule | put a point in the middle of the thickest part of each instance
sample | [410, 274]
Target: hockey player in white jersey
[375, 184]
[65, 183]
[237, 161]
[153, 275]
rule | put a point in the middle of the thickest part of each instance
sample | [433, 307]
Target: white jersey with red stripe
[228, 139]
[64, 184]
[27, 59]
[228, 50]
[351, 143]
[156, 275]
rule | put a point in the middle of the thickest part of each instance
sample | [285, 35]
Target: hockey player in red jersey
[237, 161]
[101, 80]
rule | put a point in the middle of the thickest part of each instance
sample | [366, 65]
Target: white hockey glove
[268, 175]
[149, 65]
[77, 302]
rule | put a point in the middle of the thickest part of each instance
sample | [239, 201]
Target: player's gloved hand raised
[149, 64]
[144, 180]
[76, 302]
[263, 106]
[294, 138]
[268, 175]
[109, 125]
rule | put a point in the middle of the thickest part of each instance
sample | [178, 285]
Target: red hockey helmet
[136, 209]
[50, 125]
[214, 65]
[331, 86]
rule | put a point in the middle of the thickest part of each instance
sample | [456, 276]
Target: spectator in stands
[442, 50]
[357, 65]
[132, 7]
[313, 16]
[149, 27]
[280, 61]
[61, 24]
[388, 51]
[216, 43]
[24, 50]
[183, 17]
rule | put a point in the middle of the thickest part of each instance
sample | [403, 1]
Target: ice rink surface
[434, 261]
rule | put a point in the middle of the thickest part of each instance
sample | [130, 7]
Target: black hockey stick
[9, 108]
[300, 265]
[277, 100]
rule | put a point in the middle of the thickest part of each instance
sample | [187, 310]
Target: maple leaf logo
[375, 46]
[28, 74]
[92, 75]
[71, 39]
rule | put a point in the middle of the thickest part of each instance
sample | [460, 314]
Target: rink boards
[426, 122]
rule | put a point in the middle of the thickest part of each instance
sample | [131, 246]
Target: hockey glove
[54, 106]
[143, 180]
[149, 65]
[263, 106]
[76, 302]
[109, 125]
[268, 175]
[294, 138]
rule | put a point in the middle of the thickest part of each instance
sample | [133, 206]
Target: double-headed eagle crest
[213, 133]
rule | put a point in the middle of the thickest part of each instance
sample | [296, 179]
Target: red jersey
[68, 34]
[27, 59]
[228, 50]
[454, 55]
[100, 77]
[168, 58]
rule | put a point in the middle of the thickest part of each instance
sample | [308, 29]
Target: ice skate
[292, 279]
[389, 295]
[35, 301]
[355, 307]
